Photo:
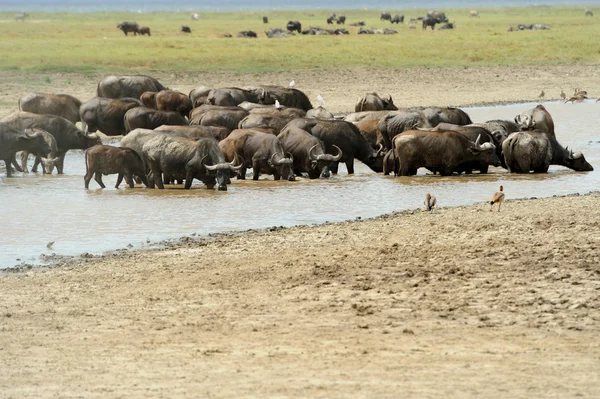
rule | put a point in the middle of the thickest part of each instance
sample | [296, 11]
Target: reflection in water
[38, 209]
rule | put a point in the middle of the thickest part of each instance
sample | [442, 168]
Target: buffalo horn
[208, 167]
[310, 153]
[477, 141]
[92, 136]
[236, 157]
[339, 153]
[272, 158]
[291, 156]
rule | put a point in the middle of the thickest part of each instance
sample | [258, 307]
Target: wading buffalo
[146, 118]
[345, 136]
[13, 140]
[108, 160]
[537, 118]
[170, 100]
[440, 151]
[294, 26]
[395, 123]
[127, 86]
[536, 151]
[456, 116]
[53, 104]
[373, 102]
[48, 162]
[106, 115]
[260, 151]
[127, 27]
[308, 153]
[67, 135]
[286, 96]
[184, 158]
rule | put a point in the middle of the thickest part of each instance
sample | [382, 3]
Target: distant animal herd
[214, 134]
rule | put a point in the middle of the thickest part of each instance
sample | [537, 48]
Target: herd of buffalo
[213, 134]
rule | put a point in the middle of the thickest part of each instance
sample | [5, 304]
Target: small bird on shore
[321, 100]
[497, 198]
[292, 83]
[542, 94]
[429, 202]
[562, 94]
[50, 244]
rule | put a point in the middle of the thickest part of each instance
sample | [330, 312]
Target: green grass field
[91, 42]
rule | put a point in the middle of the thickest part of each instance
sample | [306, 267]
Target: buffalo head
[576, 161]
[284, 166]
[485, 152]
[220, 172]
[322, 162]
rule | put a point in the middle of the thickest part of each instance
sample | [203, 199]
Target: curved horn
[379, 150]
[236, 157]
[92, 136]
[271, 160]
[339, 154]
[477, 141]
[291, 156]
[310, 153]
[208, 167]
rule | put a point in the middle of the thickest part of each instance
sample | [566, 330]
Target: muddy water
[40, 209]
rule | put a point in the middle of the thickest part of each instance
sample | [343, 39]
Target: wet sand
[458, 303]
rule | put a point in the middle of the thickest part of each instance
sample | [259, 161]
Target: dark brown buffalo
[456, 116]
[231, 96]
[128, 27]
[370, 130]
[345, 136]
[106, 114]
[52, 104]
[144, 30]
[171, 100]
[260, 151]
[189, 159]
[286, 96]
[373, 102]
[308, 153]
[537, 118]
[49, 161]
[148, 99]
[294, 26]
[397, 122]
[132, 86]
[212, 115]
[146, 118]
[13, 140]
[537, 150]
[67, 135]
[441, 151]
[199, 95]
[108, 160]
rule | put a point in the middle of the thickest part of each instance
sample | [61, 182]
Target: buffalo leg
[36, 163]
[350, 166]
[24, 156]
[98, 178]
[8, 167]
[129, 180]
[334, 168]
[189, 178]
[60, 164]
[255, 170]
[156, 174]
[119, 180]
[87, 178]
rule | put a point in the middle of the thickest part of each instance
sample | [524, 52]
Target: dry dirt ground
[341, 88]
[458, 303]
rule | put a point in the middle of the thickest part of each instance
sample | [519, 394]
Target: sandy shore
[460, 303]
[341, 88]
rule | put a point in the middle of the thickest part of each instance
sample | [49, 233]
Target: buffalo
[393, 124]
[212, 115]
[14, 139]
[106, 115]
[437, 16]
[67, 135]
[537, 118]
[441, 151]
[144, 30]
[294, 26]
[331, 19]
[185, 29]
[374, 102]
[184, 158]
[272, 124]
[198, 95]
[147, 118]
[48, 162]
[148, 99]
[308, 153]
[397, 19]
[265, 19]
[341, 20]
[261, 151]
[133, 86]
[53, 104]
[319, 113]
[230, 96]
[106, 160]
[429, 22]
[286, 96]
[385, 16]
[128, 27]
[247, 33]
[170, 100]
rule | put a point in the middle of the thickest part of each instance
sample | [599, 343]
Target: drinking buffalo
[345, 136]
[14, 139]
[308, 153]
[373, 102]
[53, 104]
[146, 118]
[107, 160]
[536, 151]
[294, 25]
[133, 86]
[106, 115]
[67, 135]
[261, 151]
[286, 96]
[170, 100]
[48, 161]
[127, 27]
[184, 158]
[441, 151]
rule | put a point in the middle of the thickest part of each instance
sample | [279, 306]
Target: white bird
[292, 83]
[278, 105]
[320, 100]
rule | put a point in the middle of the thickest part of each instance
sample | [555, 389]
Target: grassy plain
[89, 43]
